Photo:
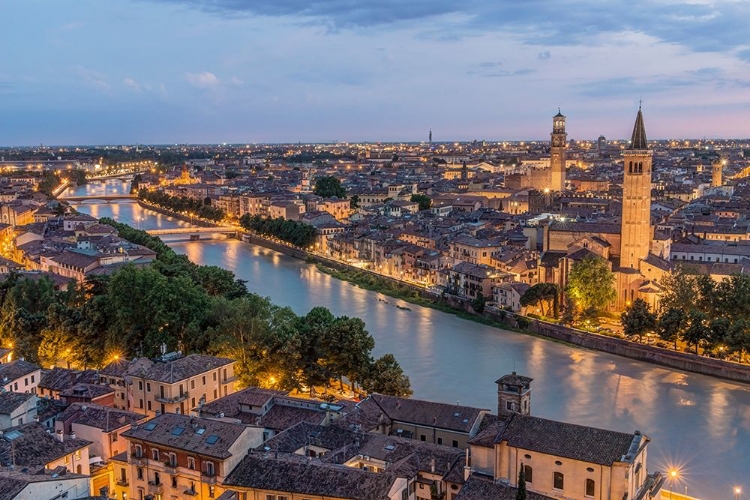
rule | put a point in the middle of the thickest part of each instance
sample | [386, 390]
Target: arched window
[590, 488]
[528, 473]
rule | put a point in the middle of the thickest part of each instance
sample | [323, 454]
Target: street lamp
[737, 491]
[673, 474]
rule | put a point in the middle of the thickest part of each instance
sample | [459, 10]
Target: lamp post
[737, 491]
[672, 476]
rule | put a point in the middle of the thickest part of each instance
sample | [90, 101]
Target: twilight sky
[198, 71]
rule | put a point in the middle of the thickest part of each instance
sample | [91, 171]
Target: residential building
[20, 376]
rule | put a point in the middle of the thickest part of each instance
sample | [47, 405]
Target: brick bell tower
[557, 153]
[717, 171]
[513, 395]
[636, 199]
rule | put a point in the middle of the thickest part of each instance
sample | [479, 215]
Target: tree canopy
[329, 187]
[591, 285]
[424, 201]
[191, 308]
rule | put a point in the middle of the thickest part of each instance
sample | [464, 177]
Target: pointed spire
[639, 141]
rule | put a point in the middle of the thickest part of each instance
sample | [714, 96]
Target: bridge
[193, 230]
[101, 197]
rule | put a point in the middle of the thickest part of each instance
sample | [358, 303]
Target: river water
[698, 424]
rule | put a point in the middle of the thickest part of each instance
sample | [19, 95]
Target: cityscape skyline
[252, 72]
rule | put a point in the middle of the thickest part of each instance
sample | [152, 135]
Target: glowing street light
[737, 491]
[673, 474]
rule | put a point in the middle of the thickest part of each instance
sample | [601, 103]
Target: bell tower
[557, 153]
[717, 168]
[513, 395]
[635, 237]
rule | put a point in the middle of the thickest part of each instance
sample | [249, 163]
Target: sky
[251, 71]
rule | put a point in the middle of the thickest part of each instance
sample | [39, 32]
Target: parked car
[663, 345]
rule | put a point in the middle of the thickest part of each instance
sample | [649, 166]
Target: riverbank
[509, 321]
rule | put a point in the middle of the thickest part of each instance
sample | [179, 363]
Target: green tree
[638, 319]
[591, 285]
[670, 325]
[348, 347]
[424, 201]
[385, 376]
[521, 487]
[544, 296]
[697, 329]
[354, 202]
[479, 303]
[329, 187]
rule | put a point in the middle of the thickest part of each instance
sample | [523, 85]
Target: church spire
[638, 141]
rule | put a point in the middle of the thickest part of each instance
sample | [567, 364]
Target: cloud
[544, 55]
[236, 81]
[90, 77]
[715, 25]
[203, 80]
[132, 84]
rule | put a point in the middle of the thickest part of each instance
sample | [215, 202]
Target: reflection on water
[698, 422]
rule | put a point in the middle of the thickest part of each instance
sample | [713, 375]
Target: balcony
[229, 379]
[170, 468]
[122, 482]
[137, 460]
[175, 399]
[208, 478]
[155, 489]
[192, 493]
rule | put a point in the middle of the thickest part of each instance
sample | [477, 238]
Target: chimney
[432, 465]
[59, 435]
[467, 467]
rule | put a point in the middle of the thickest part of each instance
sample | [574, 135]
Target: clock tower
[557, 153]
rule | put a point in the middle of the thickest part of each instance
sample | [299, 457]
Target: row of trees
[201, 208]
[194, 309]
[704, 314]
[293, 232]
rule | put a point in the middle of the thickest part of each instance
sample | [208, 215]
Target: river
[698, 424]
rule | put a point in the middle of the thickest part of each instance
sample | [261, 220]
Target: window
[212, 491]
[210, 470]
[528, 473]
[204, 380]
[590, 487]
[139, 473]
[422, 437]
[455, 443]
[138, 451]
[192, 384]
[32, 377]
[558, 481]
[148, 386]
[440, 440]
[215, 394]
[173, 460]
[140, 385]
[148, 403]
[270, 497]
[509, 405]
[155, 454]
[214, 376]
[140, 403]
[157, 478]
[174, 482]
[114, 437]
[191, 463]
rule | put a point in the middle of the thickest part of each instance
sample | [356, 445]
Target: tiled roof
[9, 401]
[313, 479]
[98, 416]
[480, 487]
[12, 482]
[281, 417]
[89, 391]
[58, 379]
[33, 445]
[16, 369]
[230, 405]
[214, 440]
[587, 444]
[304, 434]
[180, 369]
[427, 413]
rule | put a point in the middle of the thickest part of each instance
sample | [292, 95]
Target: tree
[638, 319]
[697, 330]
[347, 348]
[670, 325]
[521, 487]
[424, 201]
[569, 311]
[591, 284]
[385, 376]
[329, 187]
[679, 291]
[479, 303]
[544, 296]
[354, 202]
